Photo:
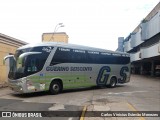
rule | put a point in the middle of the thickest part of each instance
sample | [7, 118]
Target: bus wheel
[55, 87]
[113, 82]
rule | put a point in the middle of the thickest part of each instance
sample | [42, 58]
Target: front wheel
[55, 87]
[113, 82]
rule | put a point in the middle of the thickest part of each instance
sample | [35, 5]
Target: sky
[95, 23]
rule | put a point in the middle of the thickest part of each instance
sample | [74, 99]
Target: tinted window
[31, 63]
[108, 59]
[66, 55]
[35, 63]
[78, 56]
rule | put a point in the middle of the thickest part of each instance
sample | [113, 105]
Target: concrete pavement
[104, 111]
[141, 94]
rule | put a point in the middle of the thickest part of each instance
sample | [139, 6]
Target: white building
[143, 44]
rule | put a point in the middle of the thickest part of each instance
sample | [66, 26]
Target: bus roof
[66, 45]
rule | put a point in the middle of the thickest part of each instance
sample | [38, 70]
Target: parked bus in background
[58, 66]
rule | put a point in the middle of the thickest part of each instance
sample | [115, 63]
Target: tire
[55, 88]
[113, 82]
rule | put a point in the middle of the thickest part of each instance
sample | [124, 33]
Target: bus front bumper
[17, 85]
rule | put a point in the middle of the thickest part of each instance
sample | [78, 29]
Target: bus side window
[78, 57]
[60, 57]
[94, 58]
[68, 57]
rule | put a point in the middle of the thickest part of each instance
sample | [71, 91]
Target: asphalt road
[141, 94]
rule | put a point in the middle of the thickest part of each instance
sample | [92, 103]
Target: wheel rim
[56, 87]
[113, 83]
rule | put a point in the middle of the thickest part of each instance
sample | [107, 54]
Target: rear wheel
[113, 82]
[55, 87]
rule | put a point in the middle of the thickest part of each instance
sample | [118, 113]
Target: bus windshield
[30, 64]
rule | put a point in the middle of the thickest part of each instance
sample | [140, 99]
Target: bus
[54, 67]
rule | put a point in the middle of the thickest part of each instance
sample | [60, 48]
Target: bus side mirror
[6, 57]
[20, 59]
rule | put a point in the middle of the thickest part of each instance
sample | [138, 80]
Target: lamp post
[58, 26]
[56, 29]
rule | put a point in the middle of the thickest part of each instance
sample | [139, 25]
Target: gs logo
[105, 72]
[103, 75]
[123, 72]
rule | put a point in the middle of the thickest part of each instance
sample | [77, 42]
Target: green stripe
[69, 81]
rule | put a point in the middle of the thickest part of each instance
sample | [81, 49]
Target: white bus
[58, 66]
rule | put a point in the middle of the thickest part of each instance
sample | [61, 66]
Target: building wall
[8, 45]
[5, 50]
[55, 37]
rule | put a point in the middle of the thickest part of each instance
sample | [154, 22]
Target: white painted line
[56, 107]
[110, 93]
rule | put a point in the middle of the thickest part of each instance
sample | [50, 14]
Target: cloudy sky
[96, 23]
